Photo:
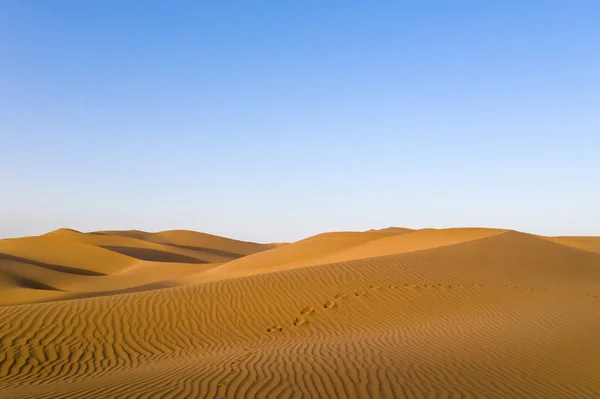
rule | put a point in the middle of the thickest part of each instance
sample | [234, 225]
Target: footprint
[411, 287]
[275, 328]
[340, 296]
[223, 383]
[359, 293]
[299, 320]
[307, 310]
[392, 286]
[329, 304]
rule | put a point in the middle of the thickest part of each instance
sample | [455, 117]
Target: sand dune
[67, 263]
[342, 246]
[305, 252]
[212, 248]
[587, 243]
[383, 313]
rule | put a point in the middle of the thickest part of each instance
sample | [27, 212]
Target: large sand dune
[450, 313]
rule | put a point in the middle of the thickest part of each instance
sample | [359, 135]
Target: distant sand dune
[388, 313]
[72, 258]
[226, 248]
[153, 255]
[587, 243]
[343, 246]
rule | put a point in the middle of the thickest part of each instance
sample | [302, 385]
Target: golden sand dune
[587, 243]
[212, 248]
[305, 252]
[66, 263]
[342, 246]
[430, 313]
[132, 247]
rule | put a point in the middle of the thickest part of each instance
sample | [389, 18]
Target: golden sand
[392, 313]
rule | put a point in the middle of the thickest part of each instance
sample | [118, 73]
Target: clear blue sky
[275, 120]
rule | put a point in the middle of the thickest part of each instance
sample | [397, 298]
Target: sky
[277, 120]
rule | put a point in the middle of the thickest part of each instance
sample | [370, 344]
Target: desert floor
[393, 313]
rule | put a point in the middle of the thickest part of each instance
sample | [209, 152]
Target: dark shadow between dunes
[51, 266]
[210, 251]
[140, 288]
[132, 234]
[25, 282]
[33, 284]
[154, 255]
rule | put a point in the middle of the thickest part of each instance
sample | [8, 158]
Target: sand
[391, 313]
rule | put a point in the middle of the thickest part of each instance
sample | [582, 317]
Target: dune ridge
[382, 313]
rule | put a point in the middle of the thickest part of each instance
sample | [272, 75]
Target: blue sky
[272, 121]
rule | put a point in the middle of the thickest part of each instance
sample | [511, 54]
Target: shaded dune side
[153, 255]
[10, 279]
[226, 248]
[49, 266]
[443, 322]
[25, 283]
[216, 255]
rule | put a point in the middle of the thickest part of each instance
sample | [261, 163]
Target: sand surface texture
[391, 313]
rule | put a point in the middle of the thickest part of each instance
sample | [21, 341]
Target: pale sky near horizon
[273, 121]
